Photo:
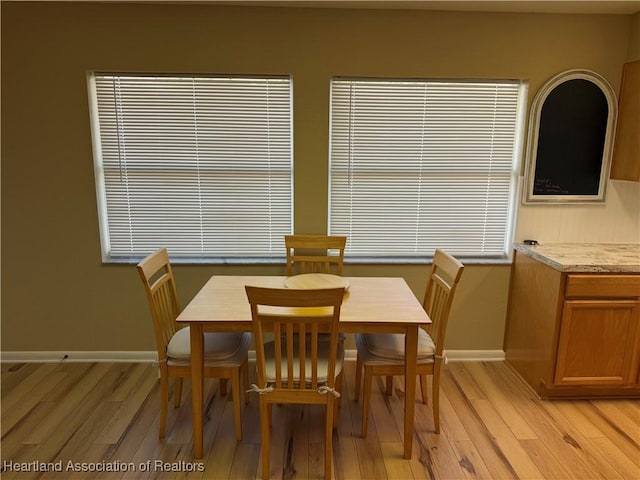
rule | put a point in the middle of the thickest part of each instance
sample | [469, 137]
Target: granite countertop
[586, 257]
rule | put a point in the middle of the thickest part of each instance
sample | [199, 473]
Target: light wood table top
[371, 305]
[316, 280]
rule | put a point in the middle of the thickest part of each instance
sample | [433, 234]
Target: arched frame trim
[531, 193]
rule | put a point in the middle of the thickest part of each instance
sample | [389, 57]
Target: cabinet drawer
[603, 286]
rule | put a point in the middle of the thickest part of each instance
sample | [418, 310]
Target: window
[420, 165]
[199, 164]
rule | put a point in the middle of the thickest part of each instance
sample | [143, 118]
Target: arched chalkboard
[570, 136]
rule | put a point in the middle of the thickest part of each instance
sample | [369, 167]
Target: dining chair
[383, 354]
[315, 253]
[293, 364]
[225, 354]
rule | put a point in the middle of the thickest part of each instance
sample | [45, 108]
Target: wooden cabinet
[626, 151]
[574, 335]
[597, 343]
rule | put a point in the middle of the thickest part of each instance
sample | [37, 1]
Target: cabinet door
[626, 152]
[598, 343]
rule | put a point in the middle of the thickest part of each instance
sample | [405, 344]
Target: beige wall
[634, 39]
[56, 294]
[617, 220]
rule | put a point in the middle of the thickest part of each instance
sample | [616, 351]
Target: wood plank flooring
[88, 420]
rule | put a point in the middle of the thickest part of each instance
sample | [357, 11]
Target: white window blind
[420, 165]
[201, 165]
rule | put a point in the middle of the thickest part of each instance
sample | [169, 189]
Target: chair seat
[219, 348]
[389, 347]
[323, 363]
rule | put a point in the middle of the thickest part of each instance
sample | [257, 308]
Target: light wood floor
[106, 416]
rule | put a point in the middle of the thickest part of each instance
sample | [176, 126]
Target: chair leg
[328, 436]
[366, 400]
[436, 397]
[245, 377]
[177, 394]
[164, 399]
[337, 402]
[423, 389]
[389, 385]
[338, 387]
[237, 414]
[356, 393]
[223, 386]
[264, 436]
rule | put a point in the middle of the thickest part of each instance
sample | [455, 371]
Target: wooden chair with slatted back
[296, 366]
[315, 253]
[383, 354]
[226, 354]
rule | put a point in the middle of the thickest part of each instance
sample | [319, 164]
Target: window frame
[276, 255]
[514, 184]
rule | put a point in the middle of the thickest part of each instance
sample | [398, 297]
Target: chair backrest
[159, 283]
[295, 317]
[441, 288]
[315, 253]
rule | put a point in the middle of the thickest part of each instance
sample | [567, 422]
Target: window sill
[281, 260]
[503, 260]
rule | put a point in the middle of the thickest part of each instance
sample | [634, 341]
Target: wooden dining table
[371, 305]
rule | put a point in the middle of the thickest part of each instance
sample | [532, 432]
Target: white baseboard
[151, 356]
[79, 356]
[475, 355]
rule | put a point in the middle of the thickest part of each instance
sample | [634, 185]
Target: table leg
[197, 385]
[411, 357]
